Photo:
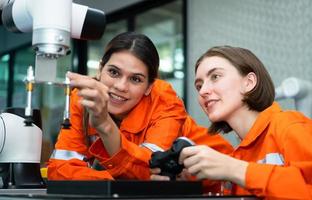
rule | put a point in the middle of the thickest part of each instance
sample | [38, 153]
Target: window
[164, 26]
[96, 48]
[4, 76]
[23, 59]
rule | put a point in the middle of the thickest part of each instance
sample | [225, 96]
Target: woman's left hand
[155, 175]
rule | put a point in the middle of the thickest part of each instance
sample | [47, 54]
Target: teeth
[117, 97]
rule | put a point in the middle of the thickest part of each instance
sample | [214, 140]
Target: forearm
[130, 162]
[74, 170]
[110, 136]
[237, 171]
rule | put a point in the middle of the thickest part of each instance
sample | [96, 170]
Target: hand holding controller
[168, 161]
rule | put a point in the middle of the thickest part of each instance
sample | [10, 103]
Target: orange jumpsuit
[152, 125]
[279, 151]
[200, 136]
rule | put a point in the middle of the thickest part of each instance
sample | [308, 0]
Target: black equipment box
[117, 189]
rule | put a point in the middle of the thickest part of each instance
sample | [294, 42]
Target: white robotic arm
[300, 91]
[52, 23]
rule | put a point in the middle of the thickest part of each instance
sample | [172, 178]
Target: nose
[121, 84]
[205, 89]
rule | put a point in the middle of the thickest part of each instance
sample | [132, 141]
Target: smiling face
[220, 88]
[127, 79]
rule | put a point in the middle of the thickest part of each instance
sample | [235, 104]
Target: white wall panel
[278, 31]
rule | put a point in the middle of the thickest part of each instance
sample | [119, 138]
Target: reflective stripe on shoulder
[152, 147]
[273, 158]
[66, 155]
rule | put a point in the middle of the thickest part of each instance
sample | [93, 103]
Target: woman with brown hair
[274, 157]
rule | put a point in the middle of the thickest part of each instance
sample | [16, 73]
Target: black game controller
[168, 161]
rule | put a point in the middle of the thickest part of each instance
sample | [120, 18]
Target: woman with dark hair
[274, 158]
[120, 117]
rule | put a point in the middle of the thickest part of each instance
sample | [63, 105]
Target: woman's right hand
[94, 98]
[207, 163]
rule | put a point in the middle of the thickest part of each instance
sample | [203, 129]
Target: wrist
[106, 127]
[238, 171]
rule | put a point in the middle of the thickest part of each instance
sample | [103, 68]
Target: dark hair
[140, 46]
[261, 96]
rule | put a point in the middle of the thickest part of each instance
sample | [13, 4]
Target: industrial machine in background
[300, 91]
[20, 150]
[53, 23]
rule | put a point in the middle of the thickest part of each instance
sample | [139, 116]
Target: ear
[149, 89]
[250, 82]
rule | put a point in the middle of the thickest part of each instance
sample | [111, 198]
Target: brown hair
[261, 96]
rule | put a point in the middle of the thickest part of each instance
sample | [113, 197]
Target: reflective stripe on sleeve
[273, 158]
[66, 155]
[152, 147]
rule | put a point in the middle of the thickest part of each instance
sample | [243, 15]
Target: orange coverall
[152, 125]
[200, 136]
[279, 151]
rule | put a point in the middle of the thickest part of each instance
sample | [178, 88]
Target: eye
[198, 87]
[215, 77]
[113, 72]
[136, 79]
